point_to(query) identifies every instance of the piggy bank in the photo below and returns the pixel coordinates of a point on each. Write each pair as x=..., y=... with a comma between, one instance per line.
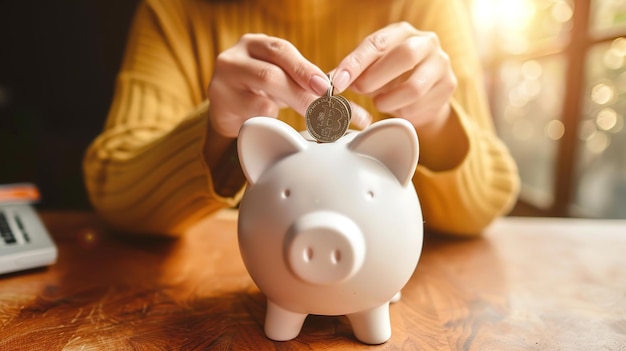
x=329, y=228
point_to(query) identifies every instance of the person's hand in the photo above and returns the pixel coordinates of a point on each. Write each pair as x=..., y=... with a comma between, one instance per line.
x=409, y=75
x=257, y=77
x=405, y=71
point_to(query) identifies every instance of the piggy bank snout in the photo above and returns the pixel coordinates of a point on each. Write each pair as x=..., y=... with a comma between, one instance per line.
x=324, y=247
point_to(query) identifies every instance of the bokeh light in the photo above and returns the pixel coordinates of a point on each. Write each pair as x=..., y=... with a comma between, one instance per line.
x=606, y=119
x=619, y=44
x=532, y=69
x=602, y=93
x=525, y=45
x=562, y=11
x=555, y=129
x=598, y=142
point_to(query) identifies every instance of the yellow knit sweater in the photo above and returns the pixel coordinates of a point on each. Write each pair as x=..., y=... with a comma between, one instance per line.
x=146, y=173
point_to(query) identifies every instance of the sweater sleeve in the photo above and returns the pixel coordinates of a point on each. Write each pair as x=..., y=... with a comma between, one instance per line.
x=146, y=172
x=464, y=200
x=485, y=185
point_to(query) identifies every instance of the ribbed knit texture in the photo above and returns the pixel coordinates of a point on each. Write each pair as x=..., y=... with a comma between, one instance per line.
x=146, y=172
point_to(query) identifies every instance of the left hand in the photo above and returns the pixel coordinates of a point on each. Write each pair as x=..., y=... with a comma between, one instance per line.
x=405, y=71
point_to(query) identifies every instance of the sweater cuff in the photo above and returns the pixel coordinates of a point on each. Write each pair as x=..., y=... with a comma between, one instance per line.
x=226, y=181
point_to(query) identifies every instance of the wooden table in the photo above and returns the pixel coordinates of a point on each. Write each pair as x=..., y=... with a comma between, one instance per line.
x=527, y=284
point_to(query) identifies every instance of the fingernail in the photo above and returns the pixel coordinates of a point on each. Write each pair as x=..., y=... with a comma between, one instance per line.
x=341, y=80
x=361, y=118
x=319, y=85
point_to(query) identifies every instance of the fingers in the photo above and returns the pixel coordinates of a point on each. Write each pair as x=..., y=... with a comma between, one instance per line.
x=271, y=81
x=284, y=55
x=361, y=118
x=422, y=97
x=428, y=110
x=259, y=75
x=401, y=59
x=375, y=46
x=280, y=71
x=405, y=71
x=413, y=88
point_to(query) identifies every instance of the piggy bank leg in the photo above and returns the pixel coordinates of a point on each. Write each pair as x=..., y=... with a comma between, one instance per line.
x=372, y=326
x=396, y=297
x=281, y=324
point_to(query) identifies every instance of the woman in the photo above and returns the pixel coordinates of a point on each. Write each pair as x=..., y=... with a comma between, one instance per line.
x=195, y=70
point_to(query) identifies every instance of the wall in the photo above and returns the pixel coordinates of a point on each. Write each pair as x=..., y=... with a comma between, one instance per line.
x=58, y=61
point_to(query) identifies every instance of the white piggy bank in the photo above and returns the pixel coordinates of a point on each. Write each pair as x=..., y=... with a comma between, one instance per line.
x=330, y=228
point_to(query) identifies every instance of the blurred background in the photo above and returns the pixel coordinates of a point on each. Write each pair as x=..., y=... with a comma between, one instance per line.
x=556, y=74
x=555, y=69
x=58, y=61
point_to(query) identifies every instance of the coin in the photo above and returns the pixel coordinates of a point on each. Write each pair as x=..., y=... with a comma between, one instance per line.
x=347, y=103
x=327, y=118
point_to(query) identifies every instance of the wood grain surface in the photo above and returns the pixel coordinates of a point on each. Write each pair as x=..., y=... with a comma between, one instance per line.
x=526, y=284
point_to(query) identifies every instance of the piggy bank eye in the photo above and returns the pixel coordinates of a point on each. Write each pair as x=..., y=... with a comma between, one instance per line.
x=370, y=194
x=286, y=193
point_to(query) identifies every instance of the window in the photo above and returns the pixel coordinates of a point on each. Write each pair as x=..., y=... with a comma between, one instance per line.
x=556, y=73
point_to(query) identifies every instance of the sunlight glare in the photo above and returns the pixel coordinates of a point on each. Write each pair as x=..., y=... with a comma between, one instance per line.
x=509, y=15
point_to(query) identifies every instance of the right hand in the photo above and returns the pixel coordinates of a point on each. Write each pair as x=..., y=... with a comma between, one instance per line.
x=257, y=77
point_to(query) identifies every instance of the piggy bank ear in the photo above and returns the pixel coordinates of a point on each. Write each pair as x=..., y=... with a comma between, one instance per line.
x=263, y=141
x=394, y=143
